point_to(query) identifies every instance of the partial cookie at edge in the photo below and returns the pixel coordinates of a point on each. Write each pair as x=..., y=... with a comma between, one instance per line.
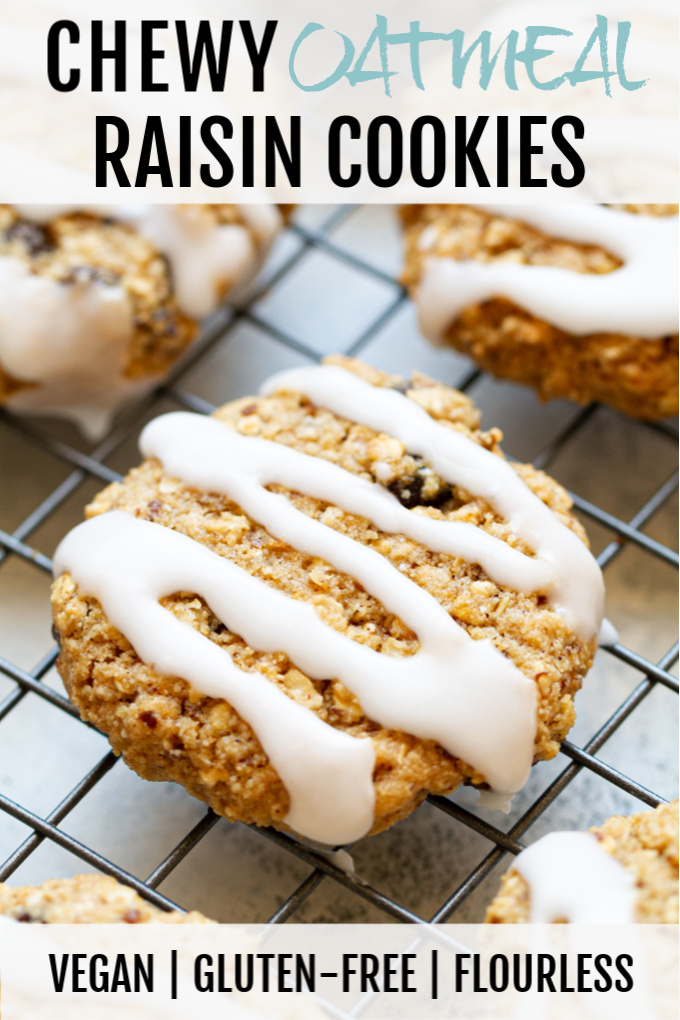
x=637, y=375
x=646, y=844
x=86, y=899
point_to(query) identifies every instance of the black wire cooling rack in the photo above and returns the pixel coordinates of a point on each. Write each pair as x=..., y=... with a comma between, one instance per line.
x=574, y=760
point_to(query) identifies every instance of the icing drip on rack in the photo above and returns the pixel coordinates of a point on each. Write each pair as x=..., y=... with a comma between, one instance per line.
x=571, y=878
x=638, y=299
x=68, y=341
x=460, y=692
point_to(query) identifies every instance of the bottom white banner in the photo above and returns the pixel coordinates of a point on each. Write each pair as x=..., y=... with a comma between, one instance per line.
x=308, y=971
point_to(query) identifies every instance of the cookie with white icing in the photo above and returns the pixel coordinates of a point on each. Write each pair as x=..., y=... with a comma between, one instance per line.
x=97, y=304
x=622, y=871
x=578, y=301
x=85, y=899
x=328, y=601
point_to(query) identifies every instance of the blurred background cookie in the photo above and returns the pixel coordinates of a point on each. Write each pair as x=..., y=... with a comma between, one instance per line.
x=96, y=305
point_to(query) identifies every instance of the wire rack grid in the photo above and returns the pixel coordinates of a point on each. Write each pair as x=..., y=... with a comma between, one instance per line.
x=369, y=315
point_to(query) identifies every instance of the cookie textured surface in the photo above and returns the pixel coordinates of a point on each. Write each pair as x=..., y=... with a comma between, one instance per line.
x=646, y=844
x=167, y=730
x=96, y=307
x=85, y=899
x=636, y=374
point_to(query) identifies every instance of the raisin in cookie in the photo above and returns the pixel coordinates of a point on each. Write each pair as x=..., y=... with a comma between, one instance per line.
x=326, y=602
x=625, y=870
x=577, y=301
x=95, y=306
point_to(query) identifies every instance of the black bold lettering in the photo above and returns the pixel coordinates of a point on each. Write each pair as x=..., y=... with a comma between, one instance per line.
x=153, y=137
x=58, y=974
x=390, y=972
x=334, y=152
x=527, y=150
x=203, y=979
x=396, y=151
x=545, y=968
x=204, y=46
x=602, y=963
x=461, y=970
x=77, y=972
x=476, y=967
x=243, y=984
x=149, y=54
x=185, y=151
x=216, y=150
x=466, y=152
x=623, y=965
x=502, y=152
x=99, y=979
x=522, y=984
x=569, y=151
x=290, y=158
x=53, y=68
x=265, y=957
x=144, y=973
x=258, y=57
x=347, y=971
x=564, y=961
x=407, y=972
x=284, y=972
x=370, y=968
x=248, y=152
x=104, y=156
x=305, y=975
x=438, y=151
x=582, y=972
x=117, y=54
x=499, y=984
x=120, y=977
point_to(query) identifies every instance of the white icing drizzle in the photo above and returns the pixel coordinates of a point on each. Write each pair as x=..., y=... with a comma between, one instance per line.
x=341, y=859
x=462, y=693
x=206, y=455
x=608, y=634
x=571, y=878
x=69, y=340
x=638, y=299
x=576, y=587
x=494, y=801
x=445, y=691
x=128, y=565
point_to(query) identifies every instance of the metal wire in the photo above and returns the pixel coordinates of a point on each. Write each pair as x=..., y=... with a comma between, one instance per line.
x=88, y=466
